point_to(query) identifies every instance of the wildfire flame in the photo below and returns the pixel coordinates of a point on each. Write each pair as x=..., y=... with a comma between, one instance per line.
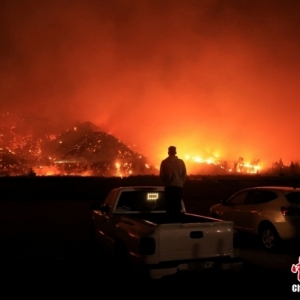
x=194, y=161
x=84, y=151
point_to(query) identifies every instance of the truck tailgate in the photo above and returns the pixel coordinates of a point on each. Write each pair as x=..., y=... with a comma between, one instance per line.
x=194, y=240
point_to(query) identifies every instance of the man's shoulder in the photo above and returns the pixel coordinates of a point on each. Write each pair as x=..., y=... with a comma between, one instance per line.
x=164, y=161
x=181, y=162
x=174, y=159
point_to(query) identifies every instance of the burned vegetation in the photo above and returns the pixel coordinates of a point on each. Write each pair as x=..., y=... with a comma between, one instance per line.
x=34, y=146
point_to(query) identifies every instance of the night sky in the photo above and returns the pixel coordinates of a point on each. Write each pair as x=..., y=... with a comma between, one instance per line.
x=215, y=78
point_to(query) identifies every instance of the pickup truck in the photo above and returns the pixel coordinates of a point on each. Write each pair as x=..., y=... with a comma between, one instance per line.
x=132, y=224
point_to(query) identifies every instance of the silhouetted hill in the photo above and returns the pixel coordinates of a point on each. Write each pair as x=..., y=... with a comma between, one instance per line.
x=32, y=144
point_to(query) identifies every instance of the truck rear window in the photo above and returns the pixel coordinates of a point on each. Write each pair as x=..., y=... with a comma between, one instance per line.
x=141, y=201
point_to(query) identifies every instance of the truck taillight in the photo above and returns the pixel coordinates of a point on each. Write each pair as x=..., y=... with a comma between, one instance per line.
x=290, y=211
x=147, y=246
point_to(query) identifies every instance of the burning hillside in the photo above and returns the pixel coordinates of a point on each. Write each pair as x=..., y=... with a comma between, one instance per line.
x=35, y=146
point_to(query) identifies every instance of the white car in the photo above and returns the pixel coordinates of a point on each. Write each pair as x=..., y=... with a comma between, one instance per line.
x=271, y=212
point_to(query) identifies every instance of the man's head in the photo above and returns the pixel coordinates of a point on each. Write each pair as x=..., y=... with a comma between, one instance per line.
x=172, y=150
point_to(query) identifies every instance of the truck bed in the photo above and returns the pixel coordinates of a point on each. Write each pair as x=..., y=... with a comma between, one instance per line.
x=163, y=218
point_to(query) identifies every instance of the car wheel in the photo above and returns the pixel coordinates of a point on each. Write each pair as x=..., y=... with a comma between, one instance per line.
x=269, y=237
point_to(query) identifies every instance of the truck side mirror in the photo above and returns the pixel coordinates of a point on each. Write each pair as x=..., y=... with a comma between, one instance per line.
x=104, y=208
x=224, y=202
x=95, y=206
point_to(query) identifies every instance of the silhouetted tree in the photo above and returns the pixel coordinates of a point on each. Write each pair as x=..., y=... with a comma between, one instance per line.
x=240, y=164
x=294, y=168
x=278, y=166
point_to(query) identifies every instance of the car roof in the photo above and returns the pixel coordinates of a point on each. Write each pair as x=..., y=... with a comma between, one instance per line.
x=140, y=188
x=276, y=188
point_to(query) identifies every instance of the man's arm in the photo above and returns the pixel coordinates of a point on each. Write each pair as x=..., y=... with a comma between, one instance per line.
x=184, y=175
x=161, y=172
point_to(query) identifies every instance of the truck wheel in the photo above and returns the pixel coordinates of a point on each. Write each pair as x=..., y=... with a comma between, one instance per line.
x=269, y=237
x=92, y=234
x=121, y=256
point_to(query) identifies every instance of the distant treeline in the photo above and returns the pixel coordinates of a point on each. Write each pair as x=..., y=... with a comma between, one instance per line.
x=279, y=168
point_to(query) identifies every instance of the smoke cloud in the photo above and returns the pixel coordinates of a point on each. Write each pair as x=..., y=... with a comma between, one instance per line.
x=214, y=78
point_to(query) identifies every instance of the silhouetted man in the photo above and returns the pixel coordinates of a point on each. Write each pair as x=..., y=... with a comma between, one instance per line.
x=173, y=176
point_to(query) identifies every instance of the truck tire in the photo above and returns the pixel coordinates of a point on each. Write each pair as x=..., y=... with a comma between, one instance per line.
x=121, y=256
x=92, y=234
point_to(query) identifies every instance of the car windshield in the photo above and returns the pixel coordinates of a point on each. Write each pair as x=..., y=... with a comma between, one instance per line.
x=293, y=197
x=141, y=201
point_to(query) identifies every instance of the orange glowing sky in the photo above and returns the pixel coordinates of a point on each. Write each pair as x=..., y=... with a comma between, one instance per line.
x=212, y=77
